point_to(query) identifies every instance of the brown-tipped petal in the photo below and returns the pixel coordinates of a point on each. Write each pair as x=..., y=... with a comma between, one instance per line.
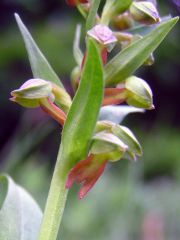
x=90, y=181
x=74, y=172
x=86, y=172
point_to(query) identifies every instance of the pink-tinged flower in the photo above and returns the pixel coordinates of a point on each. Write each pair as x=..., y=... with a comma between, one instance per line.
x=40, y=93
x=103, y=35
x=86, y=172
x=75, y=2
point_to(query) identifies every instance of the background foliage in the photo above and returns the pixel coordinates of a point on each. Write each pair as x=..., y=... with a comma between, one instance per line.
x=128, y=195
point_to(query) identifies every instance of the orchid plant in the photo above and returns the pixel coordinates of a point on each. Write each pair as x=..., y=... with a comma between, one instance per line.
x=92, y=134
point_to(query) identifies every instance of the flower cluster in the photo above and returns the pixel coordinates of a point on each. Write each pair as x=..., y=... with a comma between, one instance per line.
x=111, y=141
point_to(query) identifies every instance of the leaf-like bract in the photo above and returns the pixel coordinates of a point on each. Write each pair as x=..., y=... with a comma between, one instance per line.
x=131, y=58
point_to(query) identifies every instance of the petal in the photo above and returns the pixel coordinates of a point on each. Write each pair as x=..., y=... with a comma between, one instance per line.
x=89, y=182
x=76, y=170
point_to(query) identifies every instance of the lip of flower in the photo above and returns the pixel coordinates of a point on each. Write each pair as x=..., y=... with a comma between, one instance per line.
x=73, y=3
x=86, y=172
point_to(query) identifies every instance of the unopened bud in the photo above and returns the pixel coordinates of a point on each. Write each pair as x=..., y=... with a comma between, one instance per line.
x=144, y=12
x=29, y=94
x=40, y=93
x=139, y=93
x=34, y=90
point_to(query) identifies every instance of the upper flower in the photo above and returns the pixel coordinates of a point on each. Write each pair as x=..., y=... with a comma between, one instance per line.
x=103, y=35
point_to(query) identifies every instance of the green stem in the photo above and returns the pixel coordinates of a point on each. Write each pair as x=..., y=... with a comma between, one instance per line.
x=55, y=203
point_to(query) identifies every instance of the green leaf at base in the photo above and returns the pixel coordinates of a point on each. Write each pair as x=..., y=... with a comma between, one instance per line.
x=20, y=216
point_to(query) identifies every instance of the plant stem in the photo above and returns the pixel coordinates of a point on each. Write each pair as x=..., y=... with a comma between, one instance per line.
x=55, y=202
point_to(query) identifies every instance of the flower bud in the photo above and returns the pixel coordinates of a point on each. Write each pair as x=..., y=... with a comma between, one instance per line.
x=40, y=93
x=138, y=93
x=122, y=21
x=103, y=35
x=124, y=134
x=30, y=93
x=144, y=12
x=34, y=90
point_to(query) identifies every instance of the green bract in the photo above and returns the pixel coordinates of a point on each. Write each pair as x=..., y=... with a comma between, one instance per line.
x=131, y=58
x=84, y=109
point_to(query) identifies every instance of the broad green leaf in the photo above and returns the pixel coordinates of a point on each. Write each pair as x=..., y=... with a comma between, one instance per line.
x=132, y=57
x=116, y=114
x=83, y=114
x=20, y=216
x=91, y=19
x=39, y=64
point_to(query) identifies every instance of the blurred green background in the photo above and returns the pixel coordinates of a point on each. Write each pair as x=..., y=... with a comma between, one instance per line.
x=131, y=200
